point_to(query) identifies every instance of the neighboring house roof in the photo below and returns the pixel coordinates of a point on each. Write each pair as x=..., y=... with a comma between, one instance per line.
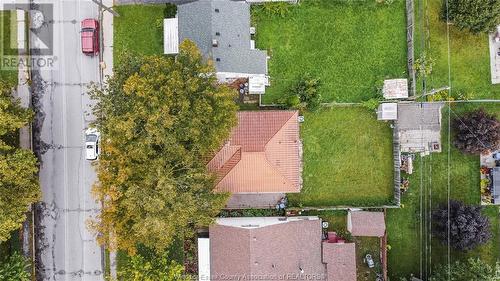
x=363, y=223
x=267, y=250
x=341, y=261
x=419, y=126
x=227, y=22
x=263, y=154
x=272, y=247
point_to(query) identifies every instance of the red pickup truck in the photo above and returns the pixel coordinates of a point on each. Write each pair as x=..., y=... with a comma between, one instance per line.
x=90, y=37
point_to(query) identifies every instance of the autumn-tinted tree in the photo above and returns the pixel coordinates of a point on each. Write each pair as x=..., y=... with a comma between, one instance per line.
x=18, y=167
x=14, y=268
x=469, y=270
x=160, y=119
x=464, y=225
x=477, y=132
x=474, y=15
x=152, y=268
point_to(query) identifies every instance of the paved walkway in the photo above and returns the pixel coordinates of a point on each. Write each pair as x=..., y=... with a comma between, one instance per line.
x=494, y=58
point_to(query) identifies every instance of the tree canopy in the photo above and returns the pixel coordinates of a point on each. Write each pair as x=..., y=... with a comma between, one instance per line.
x=160, y=119
x=18, y=167
x=469, y=270
x=474, y=15
x=464, y=225
x=477, y=132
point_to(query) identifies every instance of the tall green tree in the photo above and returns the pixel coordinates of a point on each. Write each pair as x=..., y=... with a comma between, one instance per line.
x=160, y=118
x=470, y=270
x=18, y=167
x=474, y=15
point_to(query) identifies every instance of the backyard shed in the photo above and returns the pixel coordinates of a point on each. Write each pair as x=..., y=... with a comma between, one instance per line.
x=387, y=111
x=395, y=89
x=171, y=36
x=363, y=223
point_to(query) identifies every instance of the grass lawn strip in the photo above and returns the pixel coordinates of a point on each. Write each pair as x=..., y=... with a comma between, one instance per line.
x=347, y=159
x=9, y=28
x=351, y=45
x=138, y=29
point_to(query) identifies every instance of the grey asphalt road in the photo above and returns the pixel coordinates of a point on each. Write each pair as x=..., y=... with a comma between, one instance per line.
x=66, y=250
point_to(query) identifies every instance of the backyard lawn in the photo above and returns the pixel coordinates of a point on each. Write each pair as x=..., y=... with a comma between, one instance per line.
x=8, y=25
x=138, y=29
x=347, y=159
x=430, y=182
x=351, y=45
x=469, y=54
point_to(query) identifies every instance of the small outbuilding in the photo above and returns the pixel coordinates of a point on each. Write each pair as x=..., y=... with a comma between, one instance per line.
x=363, y=223
x=395, y=89
x=387, y=111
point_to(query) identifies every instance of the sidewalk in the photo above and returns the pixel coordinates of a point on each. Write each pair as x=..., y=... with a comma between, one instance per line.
x=107, y=71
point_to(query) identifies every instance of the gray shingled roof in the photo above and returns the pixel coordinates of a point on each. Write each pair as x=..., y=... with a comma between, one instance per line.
x=230, y=26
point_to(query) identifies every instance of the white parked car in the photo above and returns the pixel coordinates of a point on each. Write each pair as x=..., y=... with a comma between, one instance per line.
x=92, y=138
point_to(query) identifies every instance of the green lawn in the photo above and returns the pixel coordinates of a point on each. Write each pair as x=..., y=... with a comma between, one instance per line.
x=430, y=180
x=469, y=54
x=347, y=159
x=138, y=29
x=351, y=45
x=367, y=245
x=8, y=25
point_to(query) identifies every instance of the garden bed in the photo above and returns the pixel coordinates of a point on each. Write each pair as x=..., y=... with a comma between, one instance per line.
x=347, y=159
x=352, y=46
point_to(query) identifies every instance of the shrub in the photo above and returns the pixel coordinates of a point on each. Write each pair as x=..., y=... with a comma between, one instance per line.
x=307, y=91
x=170, y=10
x=476, y=132
x=463, y=225
x=280, y=9
x=474, y=15
x=424, y=65
x=14, y=268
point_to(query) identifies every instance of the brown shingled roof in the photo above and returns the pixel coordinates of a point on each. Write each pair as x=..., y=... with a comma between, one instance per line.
x=340, y=259
x=261, y=155
x=362, y=223
x=267, y=252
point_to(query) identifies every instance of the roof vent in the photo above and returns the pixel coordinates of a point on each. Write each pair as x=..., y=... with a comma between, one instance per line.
x=215, y=43
x=216, y=10
x=217, y=59
x=217, y=33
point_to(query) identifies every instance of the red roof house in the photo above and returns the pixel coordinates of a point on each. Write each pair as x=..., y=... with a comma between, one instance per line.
x=262, y=155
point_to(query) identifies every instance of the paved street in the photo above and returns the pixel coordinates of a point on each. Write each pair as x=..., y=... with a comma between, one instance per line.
x=66, y=249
